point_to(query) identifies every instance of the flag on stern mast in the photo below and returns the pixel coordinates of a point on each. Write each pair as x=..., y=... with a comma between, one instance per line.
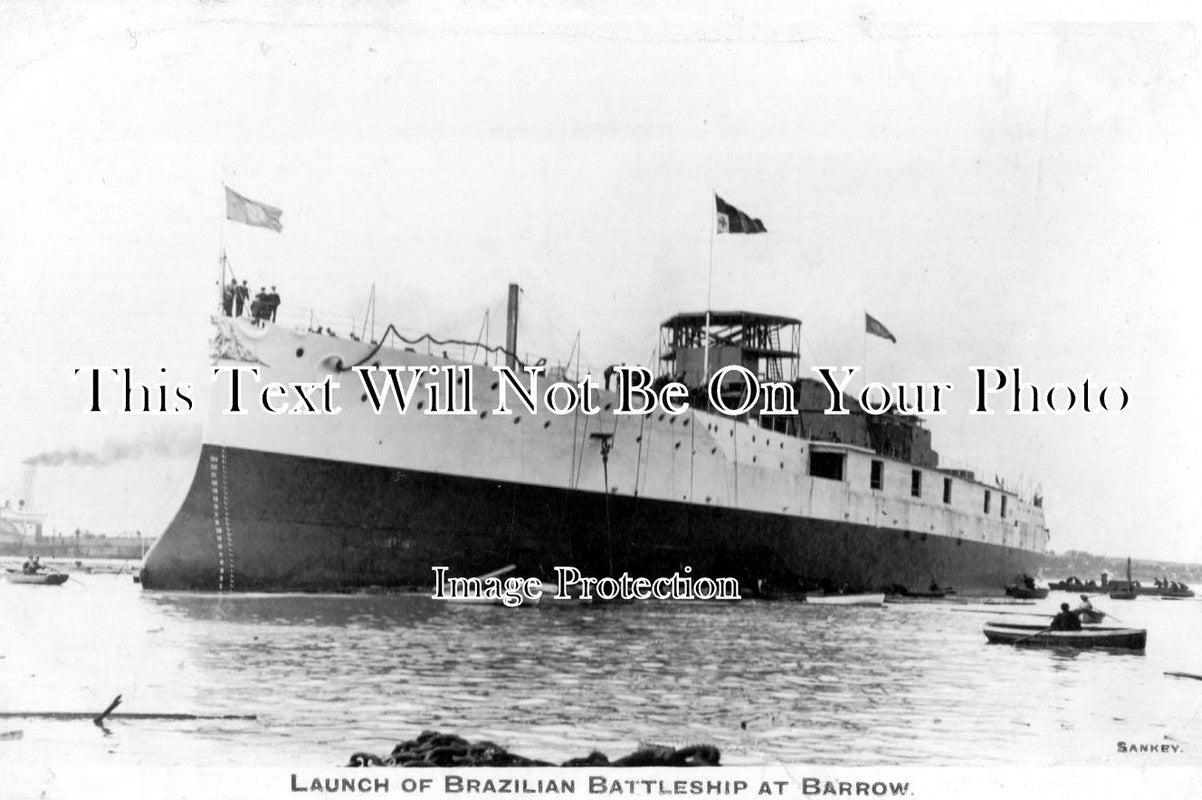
x=249, y=212
x=732, y=220
x=877, y=329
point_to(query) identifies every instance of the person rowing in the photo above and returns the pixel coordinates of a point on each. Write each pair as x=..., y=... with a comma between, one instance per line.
x=1066, y=620
x=1087, y=613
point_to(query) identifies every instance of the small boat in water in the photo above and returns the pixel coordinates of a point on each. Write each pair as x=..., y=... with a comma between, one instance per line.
x=1128, y=590
x=37, y=578
x=846, y=599
x=1073, y=584
x=1093, y=636
x=1026, y=592
x=933, y=592
x=1023, y=588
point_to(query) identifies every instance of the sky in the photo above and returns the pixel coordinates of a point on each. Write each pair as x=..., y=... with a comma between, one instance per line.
x=998, y=186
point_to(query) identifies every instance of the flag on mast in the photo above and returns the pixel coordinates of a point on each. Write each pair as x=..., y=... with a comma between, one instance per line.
x=249, y=212
x=732, y=220
x=877, y=329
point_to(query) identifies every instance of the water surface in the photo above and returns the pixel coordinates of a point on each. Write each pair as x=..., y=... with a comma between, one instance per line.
x=329, y=675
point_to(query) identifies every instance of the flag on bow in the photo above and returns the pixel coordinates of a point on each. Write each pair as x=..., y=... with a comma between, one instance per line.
x=240, y=209
x=877, y=329
x=732, y=220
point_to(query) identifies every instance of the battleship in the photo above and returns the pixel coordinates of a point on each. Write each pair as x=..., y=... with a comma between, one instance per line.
x=295, y=502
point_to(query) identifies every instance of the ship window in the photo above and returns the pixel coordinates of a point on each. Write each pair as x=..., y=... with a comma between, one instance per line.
x=877, y=479
x=1003, y=509
x=947, y=490
x=988, y=497
x=826, y=465
x=916, y=483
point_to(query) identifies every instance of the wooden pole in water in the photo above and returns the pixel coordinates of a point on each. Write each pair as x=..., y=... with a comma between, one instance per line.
x=100, y=719
x=72, y=715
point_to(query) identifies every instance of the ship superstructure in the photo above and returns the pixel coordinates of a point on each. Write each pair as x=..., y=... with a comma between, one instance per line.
x=21, y=523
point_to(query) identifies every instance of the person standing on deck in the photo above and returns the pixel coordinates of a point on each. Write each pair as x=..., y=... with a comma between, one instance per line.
x=258, y=306
x=273, y=302
x=227, y=298
x=241, y=298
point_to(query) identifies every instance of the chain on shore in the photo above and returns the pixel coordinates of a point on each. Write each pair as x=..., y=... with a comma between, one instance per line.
x=434, y=749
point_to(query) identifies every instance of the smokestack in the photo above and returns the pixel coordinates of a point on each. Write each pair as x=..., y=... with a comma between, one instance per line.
x=511, y=328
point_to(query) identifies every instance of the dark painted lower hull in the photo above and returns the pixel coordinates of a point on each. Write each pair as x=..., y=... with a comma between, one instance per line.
x=255, y=521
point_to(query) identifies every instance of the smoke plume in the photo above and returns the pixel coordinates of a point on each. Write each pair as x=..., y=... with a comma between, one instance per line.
x=163, y=444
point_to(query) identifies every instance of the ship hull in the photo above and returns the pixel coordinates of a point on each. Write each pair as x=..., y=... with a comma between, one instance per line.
x=263, y=521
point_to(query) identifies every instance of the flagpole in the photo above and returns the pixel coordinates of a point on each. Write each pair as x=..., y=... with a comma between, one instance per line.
x=709, y=295
x=864, y=359
x=221, y=237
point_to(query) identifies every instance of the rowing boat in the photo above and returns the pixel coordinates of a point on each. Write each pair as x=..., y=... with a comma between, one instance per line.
x=846, y=599
x=1093, y=636
x=38, y=578
x=1026, y=592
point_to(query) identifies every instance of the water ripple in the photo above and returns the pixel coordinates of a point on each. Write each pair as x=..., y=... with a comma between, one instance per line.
x=328, y=675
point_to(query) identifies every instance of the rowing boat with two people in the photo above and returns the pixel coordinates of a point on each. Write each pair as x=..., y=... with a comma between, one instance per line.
x=37, y=578
x=1087, y=638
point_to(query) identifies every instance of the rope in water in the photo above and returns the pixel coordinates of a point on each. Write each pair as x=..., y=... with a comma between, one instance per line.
x=434, y=749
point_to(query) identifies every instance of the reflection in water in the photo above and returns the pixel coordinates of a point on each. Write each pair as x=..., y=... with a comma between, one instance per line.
x=328, y=675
